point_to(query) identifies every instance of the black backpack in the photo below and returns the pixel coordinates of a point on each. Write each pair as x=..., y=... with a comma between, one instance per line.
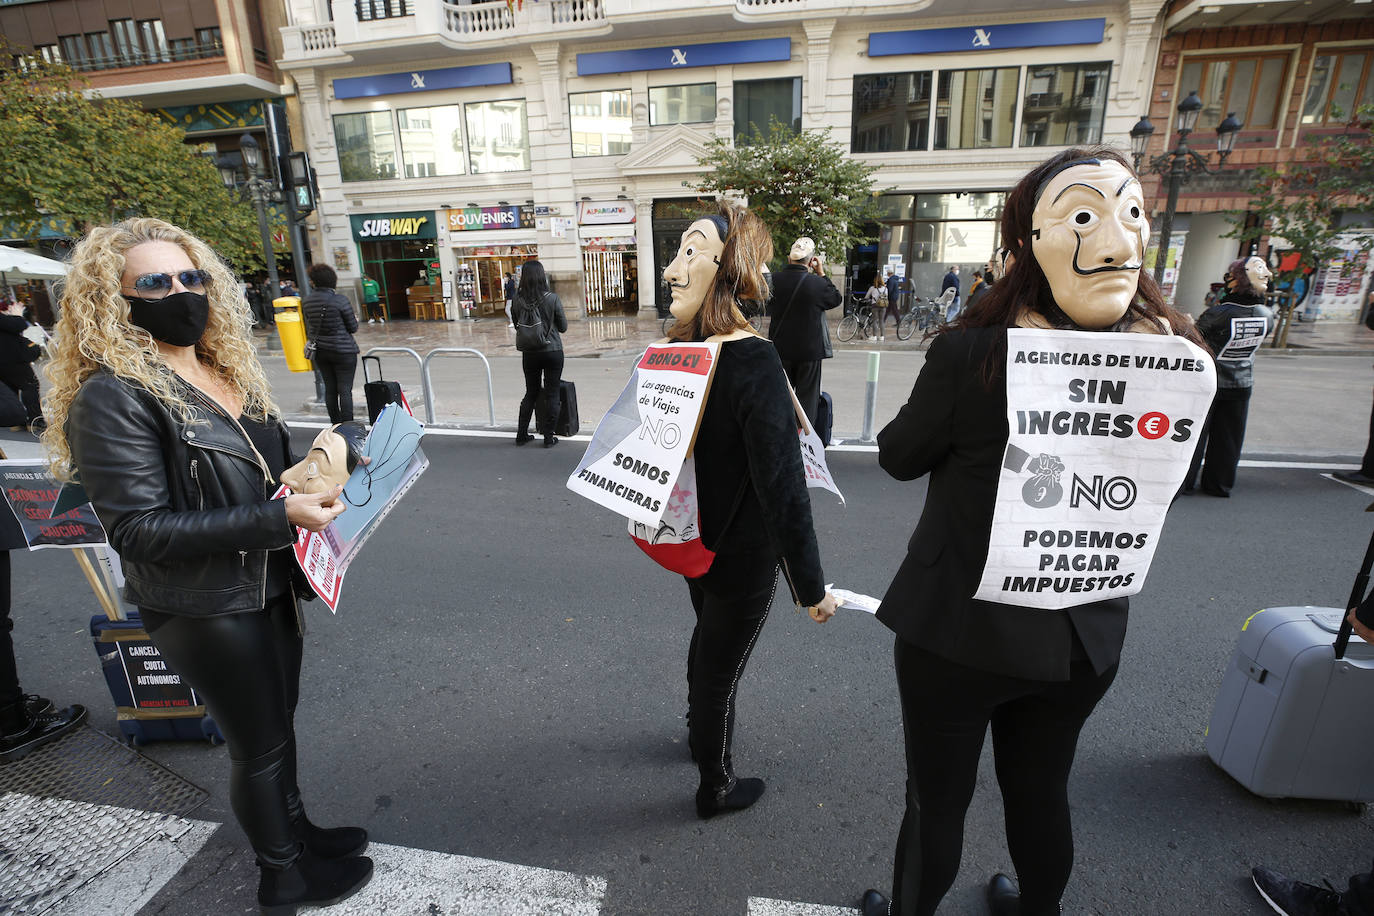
x=531, y=330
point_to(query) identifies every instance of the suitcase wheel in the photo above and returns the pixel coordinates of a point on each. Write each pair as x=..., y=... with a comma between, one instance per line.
x=136, y=741
x=215, y=738
x=1356, y=808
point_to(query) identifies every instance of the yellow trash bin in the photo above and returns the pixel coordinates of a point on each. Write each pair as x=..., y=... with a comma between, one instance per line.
x=291, y=330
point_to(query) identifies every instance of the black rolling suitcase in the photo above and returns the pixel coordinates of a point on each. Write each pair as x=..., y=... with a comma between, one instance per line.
x=567, y=424
x=151, y=702
x=379, y=393
x=825, y=417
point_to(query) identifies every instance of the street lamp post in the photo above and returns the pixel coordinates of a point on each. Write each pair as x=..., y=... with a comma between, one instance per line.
x=260, y=191
x=1179, y=164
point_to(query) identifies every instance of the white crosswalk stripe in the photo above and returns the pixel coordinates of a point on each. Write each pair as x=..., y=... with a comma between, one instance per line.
x=762, y=906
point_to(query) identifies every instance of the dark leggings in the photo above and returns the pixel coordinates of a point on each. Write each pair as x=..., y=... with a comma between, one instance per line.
x=337, y=370
x=731, y=603
x=247, y=668
x=548, y=366
x=1219, y=443
x=946, y=710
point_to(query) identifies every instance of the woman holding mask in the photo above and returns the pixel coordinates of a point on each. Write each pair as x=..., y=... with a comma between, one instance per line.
x=751, y=488
x=160, y=409
x=1076, y=230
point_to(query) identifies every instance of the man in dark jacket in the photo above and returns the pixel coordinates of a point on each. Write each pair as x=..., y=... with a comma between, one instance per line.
x=17, y=353
x=801, y=296
x=951, y=281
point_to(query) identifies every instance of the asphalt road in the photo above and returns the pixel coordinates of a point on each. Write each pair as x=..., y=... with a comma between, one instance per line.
x=505, y=679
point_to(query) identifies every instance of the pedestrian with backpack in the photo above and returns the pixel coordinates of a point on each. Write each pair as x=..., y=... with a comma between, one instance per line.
x=539, y=321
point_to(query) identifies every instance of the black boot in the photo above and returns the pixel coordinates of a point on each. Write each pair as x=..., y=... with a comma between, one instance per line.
x=311, y=881
x=38, y=730
x=736, y=796
x=1003, y=897
x=874, y=904
x=329, y=842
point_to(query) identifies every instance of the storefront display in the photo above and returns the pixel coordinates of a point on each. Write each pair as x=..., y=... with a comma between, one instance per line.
x=396, y=250
x=481, y=275
x=610, y=263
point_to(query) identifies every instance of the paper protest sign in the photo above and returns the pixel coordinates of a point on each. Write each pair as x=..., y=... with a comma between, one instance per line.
x=369, y=495
x=1102, y=428
x=638, y=448
x=1246, y=336
x=813, y=455
x=31, y=493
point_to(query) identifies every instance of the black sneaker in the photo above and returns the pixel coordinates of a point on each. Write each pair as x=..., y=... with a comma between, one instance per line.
x=1357, y=477
x=43, y=728
x=35, y=705
x=1294, y=898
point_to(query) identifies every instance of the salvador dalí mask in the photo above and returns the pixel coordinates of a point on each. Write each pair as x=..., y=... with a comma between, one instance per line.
x=331, y=459
x=1088, y=233
x=693, y=271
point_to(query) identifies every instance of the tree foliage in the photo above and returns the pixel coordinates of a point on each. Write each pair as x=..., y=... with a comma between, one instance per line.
x=1302, y=202
x=91, y=161
x=799, y=184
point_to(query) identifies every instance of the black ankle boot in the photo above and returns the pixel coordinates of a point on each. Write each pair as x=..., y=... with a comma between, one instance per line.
x=329, y=842
x=874, y=904
x=738, y=796
x=311, y=881
x=1003, y=897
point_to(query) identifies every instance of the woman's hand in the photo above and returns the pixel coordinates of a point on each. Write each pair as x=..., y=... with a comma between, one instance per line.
x=825, y=610
x=315, y=511
x=1361, y=630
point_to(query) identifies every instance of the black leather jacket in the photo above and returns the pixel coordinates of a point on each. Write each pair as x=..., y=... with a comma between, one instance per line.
x=185, y=505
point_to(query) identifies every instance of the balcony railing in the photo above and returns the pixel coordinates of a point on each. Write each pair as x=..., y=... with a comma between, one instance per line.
x=571, y=12
x=177, y=50
x=479, y=19
x=318, y=38
x=494, y=19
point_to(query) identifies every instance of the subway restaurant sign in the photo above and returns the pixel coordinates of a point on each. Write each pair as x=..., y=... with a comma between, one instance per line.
x=393, y=226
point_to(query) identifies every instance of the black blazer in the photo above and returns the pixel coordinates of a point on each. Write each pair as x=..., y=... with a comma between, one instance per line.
x=954, y=427
x=799, y=330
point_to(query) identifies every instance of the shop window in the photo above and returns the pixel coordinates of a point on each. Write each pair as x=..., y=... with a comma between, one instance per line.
x=498, y=140
x=758, y=102
x=431, y=141
x=600, y=122
x=891, y=112
x=1341, y=82
x=964, y=98
x=1064, y=104
x=682, y=104
x=366, y=144
x=1249, y=86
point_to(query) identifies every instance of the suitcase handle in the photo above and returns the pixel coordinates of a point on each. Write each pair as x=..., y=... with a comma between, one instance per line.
x=378, y=361
x=1361, y=583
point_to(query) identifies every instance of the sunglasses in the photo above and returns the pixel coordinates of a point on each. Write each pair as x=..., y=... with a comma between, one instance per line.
x=157, y=286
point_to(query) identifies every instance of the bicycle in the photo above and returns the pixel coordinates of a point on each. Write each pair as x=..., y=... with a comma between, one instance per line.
x=861, y=319
x=926, y=315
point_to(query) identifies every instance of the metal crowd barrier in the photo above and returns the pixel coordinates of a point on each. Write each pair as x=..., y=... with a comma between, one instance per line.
x=428, y=384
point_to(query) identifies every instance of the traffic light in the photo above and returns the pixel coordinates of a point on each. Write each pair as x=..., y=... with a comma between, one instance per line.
x=302, y=178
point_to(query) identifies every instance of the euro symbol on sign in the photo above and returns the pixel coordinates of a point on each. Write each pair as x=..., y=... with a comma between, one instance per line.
x=679, y=58
x=417, y=81
x=982, y=38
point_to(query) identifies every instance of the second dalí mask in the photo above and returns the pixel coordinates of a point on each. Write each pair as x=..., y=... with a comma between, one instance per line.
x=331, y=459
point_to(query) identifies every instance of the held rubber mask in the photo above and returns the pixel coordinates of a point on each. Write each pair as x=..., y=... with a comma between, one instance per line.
x=1088, y=233
x=331, y=459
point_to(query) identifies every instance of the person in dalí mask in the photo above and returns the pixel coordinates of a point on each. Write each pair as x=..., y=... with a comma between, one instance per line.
x=160, y=408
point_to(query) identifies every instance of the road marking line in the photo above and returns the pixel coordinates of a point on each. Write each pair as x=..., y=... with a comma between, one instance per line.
x=763, y=906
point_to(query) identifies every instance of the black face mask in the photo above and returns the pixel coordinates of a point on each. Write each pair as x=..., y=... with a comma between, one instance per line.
x=179, y=319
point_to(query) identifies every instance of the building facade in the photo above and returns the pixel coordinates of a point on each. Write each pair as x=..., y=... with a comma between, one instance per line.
x=461, y=138
x=1293, y=73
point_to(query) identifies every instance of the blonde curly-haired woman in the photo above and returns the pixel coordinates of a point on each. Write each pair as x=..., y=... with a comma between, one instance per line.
x=160, y=408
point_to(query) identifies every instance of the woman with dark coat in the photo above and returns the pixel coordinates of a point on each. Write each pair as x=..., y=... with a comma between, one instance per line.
x=160, y=409
x=964, y=664
x=539, y=322
x=751, y=489
x=330, y=322
x=17, y=354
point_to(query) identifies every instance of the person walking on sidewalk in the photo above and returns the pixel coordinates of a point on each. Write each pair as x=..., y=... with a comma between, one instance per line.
x=510, y=290
x=330, y=322
x=802, y=294
x=372, y=300
x=539, y=324
x=951, y=281
x=160, y=408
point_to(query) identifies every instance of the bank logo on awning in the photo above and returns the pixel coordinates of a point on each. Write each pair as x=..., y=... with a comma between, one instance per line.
x=982, y=38
x=679, y=58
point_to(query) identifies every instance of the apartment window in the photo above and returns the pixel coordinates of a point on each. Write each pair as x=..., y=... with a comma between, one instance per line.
x=682, y=104
x=1341, y=82
x=431, y=141
x=209, y=41
x=74, y=51
x=382, y=9
x=100, y=51
x=1064, y=104
x=600, y=122
x=366, y=144
x=891, y=112
x=126, y=41
x=757, y=102
x=498, y=140
x=1249, y=86
x=49, y=53
x=154, y=40
x=965, y=98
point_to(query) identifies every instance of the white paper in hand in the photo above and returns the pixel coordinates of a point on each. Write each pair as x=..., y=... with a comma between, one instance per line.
x=855, y=600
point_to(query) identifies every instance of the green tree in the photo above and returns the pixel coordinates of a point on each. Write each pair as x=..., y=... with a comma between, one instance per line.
x=1302, y=202
x=91, y=161
x=799, y=184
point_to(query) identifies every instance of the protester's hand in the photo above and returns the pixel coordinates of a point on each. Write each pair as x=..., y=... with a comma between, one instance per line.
x=825, y=610
x=1361, y=630
x=314, y=512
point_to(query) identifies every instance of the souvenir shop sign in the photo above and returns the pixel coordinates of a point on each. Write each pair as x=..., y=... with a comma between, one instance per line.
x=394, y=226
x=472, y=218
x=605, y=212
x=1102, y=428
x=31, y=493
x=638, y=448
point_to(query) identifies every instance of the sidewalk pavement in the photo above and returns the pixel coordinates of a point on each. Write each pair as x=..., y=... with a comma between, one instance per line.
x=1304, y=404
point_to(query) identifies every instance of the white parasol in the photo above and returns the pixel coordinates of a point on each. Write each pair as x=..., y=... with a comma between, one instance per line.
x=25, y=265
